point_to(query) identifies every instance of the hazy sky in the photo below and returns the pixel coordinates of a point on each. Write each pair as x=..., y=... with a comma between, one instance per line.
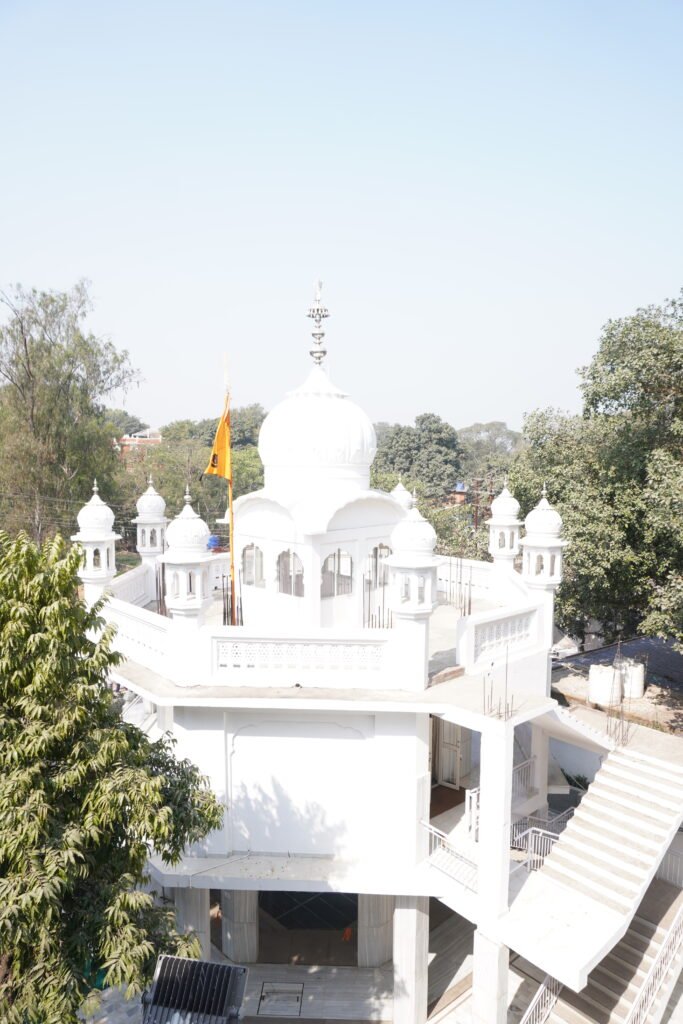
x=479, y=185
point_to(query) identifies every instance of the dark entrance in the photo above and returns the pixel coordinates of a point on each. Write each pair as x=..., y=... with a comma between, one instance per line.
x=308, y=928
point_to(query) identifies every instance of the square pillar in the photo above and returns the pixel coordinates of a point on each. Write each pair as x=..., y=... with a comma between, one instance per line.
x=411, y=954
x=489, y=981
x=540, y=750
x=495, y=813
x=192, y=914
x=239, y=909
x=375, y=929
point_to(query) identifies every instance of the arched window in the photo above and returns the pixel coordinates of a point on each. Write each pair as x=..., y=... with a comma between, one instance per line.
x=161, y=537
x=337, y=574
x=143, y=538
x=96, y=559
x=290, y=574
x=405, y=588
x=378, y=566
x=512, y=539
x=539, y=564
x=108, y=558
x=152, y=538
x=252, y=566
x=552, y=565
x=421, y=587
x=501, y=539
x=190, y=583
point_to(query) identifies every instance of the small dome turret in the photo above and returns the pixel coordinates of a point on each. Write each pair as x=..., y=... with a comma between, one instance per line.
x=505, y=505
x=187, y=534
x=95, y=519
x=543, y=521
x=151, y=505
x=504, y=527
x=413, y=540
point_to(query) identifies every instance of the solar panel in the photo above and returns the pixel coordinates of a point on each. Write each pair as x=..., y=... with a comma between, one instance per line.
x=194, y=992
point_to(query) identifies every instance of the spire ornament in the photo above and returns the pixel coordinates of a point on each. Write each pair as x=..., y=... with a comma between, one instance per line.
x=317, y=314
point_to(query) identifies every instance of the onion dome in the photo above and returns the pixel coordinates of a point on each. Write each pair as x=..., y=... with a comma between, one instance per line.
x=150, y=505
x=96, y=519
x=187, y=534
x=402, y=495
x=412, y=540
x=505, y=506
x=543, y=522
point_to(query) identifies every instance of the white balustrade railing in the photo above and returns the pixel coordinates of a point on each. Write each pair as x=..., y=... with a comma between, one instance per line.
x=536, y=844
x=132, y=586
x=523, y=779
x=671, y=869
x=472, y=807
x=141, y=635
x=445, y=856
x=353, y=662
x=555, y=824
x=484, y=637
x=541, y=1005
x=668, y=951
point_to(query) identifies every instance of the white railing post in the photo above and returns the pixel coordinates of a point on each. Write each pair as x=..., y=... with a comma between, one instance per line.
x=541, y=1005
x=448, y=859
x=523, y=779
x=668, y=951
x=472, y=802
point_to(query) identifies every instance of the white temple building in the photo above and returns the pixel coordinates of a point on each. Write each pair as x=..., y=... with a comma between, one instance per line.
x=380, y=732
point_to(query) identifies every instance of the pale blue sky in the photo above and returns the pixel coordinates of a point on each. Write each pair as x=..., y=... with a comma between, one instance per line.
x=479, y=185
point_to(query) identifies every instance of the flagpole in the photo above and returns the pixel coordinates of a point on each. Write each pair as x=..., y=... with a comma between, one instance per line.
x=231, y=521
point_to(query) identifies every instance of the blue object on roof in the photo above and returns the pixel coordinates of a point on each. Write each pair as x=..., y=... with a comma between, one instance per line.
x=213, y=542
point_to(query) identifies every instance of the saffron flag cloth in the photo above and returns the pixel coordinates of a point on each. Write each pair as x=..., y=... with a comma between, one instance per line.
x=220, y=463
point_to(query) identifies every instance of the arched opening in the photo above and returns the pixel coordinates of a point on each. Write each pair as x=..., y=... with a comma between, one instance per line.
x=501, y=539
x=143, y=538
x=108, y=558
x=512, y=539
x=552, y=565
x=337, y=574
x=378, y=566
x=152, y=538
x=290, y=574
x=421, y=588
x=539, y=564
x=252, y=566
x=161, y=537
x=405, y=588
x=190, y=583
x=96, y=559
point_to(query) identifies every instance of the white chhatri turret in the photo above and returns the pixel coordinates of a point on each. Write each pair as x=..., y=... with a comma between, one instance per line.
x=187, y=587
x=412, y=588
x=151, y=522
x=504, y=527
x=402, y=495
x=542, y=560
x=98, y=540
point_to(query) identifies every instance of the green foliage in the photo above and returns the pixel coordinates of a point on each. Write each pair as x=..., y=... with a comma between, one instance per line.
x=616, y=476
x=487, y=450
x=120, y=422
x=84, y=799
x=427, y=454
x=54, y=435
x=455, y=531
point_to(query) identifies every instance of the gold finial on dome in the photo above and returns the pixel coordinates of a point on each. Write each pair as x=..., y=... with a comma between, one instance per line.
x=318, y=313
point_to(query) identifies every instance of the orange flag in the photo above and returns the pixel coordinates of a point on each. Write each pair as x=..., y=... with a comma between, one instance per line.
x=220, y=463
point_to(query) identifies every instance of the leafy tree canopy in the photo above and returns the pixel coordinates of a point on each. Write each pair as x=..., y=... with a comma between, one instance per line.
x=84, y=799
x=616, y=475
x=121, y=422
x=487, y=450
x=428, y=454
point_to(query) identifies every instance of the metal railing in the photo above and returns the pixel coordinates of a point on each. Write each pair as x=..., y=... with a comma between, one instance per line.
x=540, y=1007
x=536, y=844
x=671, y=869
x=555, y=824
x=472, y=805
x=523, y=779
x=669, y=949
x=444, y=855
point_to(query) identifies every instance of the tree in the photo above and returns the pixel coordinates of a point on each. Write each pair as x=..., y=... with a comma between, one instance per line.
x=121, y=422
x=54, y=436
x=487, y=450
x=84, y=799
x=455, y=532
x=616, y=475
x=427, y=454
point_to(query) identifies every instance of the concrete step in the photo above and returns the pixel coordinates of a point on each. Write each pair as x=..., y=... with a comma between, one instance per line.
x=563, y=1013
x=610, y=859
x=648, y=767
x=585, y=869
x=648, y=929
x=581, y=1001
x=590, y=832
x=621, y=968
x=618, y=776
x=628, y=832
x=614, y=983
x=644, y=804
x=658, y=826
x=601, y=896
x=617, y=1005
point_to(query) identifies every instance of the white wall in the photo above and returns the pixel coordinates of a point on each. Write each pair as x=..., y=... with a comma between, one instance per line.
x=575, y=760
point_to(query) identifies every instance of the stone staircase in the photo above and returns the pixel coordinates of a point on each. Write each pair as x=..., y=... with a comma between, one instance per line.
x=618, y=835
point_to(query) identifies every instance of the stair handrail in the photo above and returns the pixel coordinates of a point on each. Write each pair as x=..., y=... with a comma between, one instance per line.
x=467, y=869
x=540, y=1007
x=655, y=976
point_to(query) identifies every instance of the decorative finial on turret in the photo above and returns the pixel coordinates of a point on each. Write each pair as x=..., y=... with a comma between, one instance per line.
x=544, y=492
x=95, y=488
x=150, y=482
x=318, y=313
x=188, y=496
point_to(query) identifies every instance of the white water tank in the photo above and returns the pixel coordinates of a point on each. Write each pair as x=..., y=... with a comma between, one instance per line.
x=604, y=685
x=634, y=679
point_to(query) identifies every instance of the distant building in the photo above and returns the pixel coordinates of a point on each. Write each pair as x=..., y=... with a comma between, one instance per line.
x=142, y=439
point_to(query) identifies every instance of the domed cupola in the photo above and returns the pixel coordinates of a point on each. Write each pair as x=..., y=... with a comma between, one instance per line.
x=98, y=540
x=317, y=436
x=504, y=527
x=542, y=567
x=188, y=582
x=151, y=524
x=543, y=521
x=413, y=539
x=412, y=566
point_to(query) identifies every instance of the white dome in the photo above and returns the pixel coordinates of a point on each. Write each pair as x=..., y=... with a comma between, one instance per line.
x=543, y=521
x=505, y=506
x=317, y=433
x=402, y=495
x=151, y=505
x=187, y=534
x=413, y=539
x=96, y=519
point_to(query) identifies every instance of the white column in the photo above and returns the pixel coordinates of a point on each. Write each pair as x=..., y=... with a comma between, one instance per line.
x=490, y=969
x=239, y=908
x=411, y=952
x=192, y=914
x=490, y=981
x=375, y=929
x=539, y=750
